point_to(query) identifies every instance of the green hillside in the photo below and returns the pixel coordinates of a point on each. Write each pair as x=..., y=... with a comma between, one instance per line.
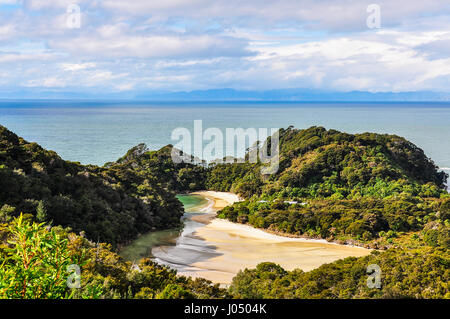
x=376, y=190
x=110, y=205
x=316, y=162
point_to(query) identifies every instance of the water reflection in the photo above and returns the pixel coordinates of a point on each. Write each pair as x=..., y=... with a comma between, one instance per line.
x=154, y=244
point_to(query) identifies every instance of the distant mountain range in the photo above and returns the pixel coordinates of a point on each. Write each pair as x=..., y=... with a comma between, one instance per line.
x=296, y=95
x=301, y=95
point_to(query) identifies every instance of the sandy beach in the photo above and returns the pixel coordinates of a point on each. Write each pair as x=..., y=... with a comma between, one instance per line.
x=216, y=201
x=220, y=199
x=219, y=249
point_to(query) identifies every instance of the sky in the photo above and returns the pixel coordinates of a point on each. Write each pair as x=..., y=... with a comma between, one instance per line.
x=184, y=45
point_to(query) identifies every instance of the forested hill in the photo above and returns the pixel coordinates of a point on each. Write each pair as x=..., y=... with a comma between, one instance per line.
x=378, y=190
x=316, y=162
x=180, y=177
x=363, y=188
x=136, y=194
x=109, y=204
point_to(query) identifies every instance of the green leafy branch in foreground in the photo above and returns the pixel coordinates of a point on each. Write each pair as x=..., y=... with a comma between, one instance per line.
x=375, y=189
x=35, y=264
x=34, y=260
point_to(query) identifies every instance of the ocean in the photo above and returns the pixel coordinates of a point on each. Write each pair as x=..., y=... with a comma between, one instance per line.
x=100, y=132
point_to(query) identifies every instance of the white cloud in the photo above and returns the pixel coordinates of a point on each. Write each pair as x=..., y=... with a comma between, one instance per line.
x=51, y=82
x=77, y=66
x=330, y=14
x=7, y=32
x=44, y=4
x=9, y=2
x=113, y=44
x=252, y=44
x=8, y=57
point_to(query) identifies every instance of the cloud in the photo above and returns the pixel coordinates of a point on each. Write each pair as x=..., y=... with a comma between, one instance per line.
x=56, y=4
x=203, y=44
x=7, y=32
x=110, y=44
x=2, y=2
x=51, y=82
x=332, y=15
x=8, y=57
x=77, y=66
x=436, y=49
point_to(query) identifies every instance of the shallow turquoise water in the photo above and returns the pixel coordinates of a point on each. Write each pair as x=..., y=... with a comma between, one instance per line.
x=142, y=246
x=191, y=203
x=99, y=132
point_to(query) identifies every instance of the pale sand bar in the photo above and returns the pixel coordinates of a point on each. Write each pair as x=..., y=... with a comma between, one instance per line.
x=220, y=199
x=237, y=246
x=216, y=201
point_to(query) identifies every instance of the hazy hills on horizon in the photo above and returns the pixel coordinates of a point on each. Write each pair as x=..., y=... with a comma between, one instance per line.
x=287, y=95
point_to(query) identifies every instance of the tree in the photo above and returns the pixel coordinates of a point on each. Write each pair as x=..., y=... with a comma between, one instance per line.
x=36, y=264
x=174, y=291
x=41, y=212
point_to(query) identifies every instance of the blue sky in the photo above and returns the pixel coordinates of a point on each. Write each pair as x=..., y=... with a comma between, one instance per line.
x=184, y=45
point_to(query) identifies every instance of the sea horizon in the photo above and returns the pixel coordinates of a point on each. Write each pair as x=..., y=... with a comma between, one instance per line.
x=74, y=128
x=214, y=151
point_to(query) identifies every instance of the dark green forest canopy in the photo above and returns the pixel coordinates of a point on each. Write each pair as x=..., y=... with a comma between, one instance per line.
x=316, y=162
x=111, y=205
x=372, y=222
x=338, y=186
x=358, y=187
x=136, y=193
x=104, y=273
x=405, y=273
x=417, y=266
x=178, y=177
x=372, y=188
